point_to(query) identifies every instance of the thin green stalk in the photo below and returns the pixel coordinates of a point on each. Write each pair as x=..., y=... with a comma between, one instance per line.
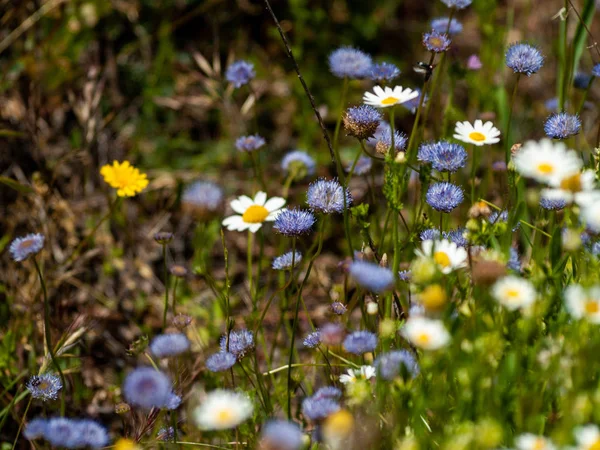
x=49, y=335
x=249, y=265
x=413, y=133
x=258, y=170
x=174, y=296
x=295, y=323
x=166, y=278
x=22, y=421
x=510, y=113
x=473, y=171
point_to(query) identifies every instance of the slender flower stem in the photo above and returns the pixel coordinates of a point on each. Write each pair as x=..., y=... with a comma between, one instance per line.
x=510, y=113
x=473, y=171
x=249, y=264
x=258, y=170
x=295, y=324
x=48, y=335
x=166, y=278
x=174, y=296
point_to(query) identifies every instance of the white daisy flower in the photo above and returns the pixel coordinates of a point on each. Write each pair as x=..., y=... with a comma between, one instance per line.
x=252, y=213
x=590, y=212
x=428, y=334
x=587, y=437
x=478, y=134
x=514, y=292
x=547, y=161
x=530, y=441
x=578, y=188
x=385, y=97
x=583, y=303
x=447, y=255
x=364, y=373
x=222, y=409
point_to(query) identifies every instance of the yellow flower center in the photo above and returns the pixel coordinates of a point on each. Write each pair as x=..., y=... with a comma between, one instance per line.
x=433, y=297
x=595, y=445
x=423, y=339
x=572, y=183
x=591, y=307
x=436, y=42
x=126, y=444
x=255, y=214
x=224, y=417
x=512, y=294
x=477, y=136
x=389, y=101
x=539, y=444
x=339, y=423
x=442, y=259
x=545, y=168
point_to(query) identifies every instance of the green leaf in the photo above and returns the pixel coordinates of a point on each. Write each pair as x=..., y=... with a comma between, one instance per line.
x=581, y=33
x=14, y=184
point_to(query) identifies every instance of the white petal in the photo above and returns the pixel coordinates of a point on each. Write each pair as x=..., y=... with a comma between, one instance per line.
x=255, y=227
x=260, y=198
x=245, y=201
x=232, y=220
x=237, y=206
x=274, y=203
x=379, y=91
x=478, y=124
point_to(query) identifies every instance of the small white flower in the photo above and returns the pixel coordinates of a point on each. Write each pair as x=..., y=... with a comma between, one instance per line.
x=222, y=409
x=530, y=441
x=251, y=214
x=547, y=161
x=385, y=97
x=478, y=134
x=428, y=334
x=364, y=373
x=587, y=437
x=514, y=292
x=590, y=214
x=447, y=255
x=583, y=303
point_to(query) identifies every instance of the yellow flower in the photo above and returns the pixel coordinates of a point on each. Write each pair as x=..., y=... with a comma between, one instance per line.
x=126, y=444
x=125, y=178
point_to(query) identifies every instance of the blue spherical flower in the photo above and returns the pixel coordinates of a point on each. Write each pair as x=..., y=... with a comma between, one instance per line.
x=360, y=342
x=240, y=343
x=35, y=429
x=361, y=121
x=443, y=156
x=147, y=388
x=299, y=162
x=44, y=387
x=171, y=344
x=362, y=167
x=166, y=434
x=240, y=73
x=220, y=362
x=63, y=432
x=205, y=195
x=441, y=25
x=93, y=434
x=396, y=363
x=596, y=70
x=382, y=139
x=285, y=261
x=581, y=80
x=405, y=275
x=524, y=58
x=281, y=434
x=318, y=408
x=173, y=401
x=498, y=216
x=349, y=62
x=328, y=392
x=552, y=204
x=514, y=263
x=294, y=222
x=371, y=276
x=436, y=42
x=458, y=4
x=430, y=234
x=312, y=340
x=444, y=197
x=249, y=143
x=384, y=72
x=562, y=125
x=327, y=196
x=457, y=236
x=23, y=247
x=338, y=308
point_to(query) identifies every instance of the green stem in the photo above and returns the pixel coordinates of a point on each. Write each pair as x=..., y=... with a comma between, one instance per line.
x=336, y=150
x=166, y=278
x=249, y=264
x=48, y=335
x=258, y=171
x=295, y=323
x=473, y=172
x=509, y=120
x=413, y=133
x=174, y=296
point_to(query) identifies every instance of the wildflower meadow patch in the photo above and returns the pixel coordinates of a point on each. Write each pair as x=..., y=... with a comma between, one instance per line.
x=300, y=225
